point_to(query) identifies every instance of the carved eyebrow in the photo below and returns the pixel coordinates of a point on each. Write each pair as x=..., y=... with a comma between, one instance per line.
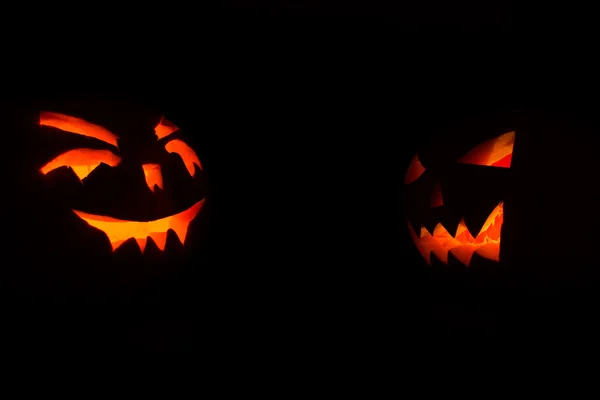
x=164, y=128
x=186, y=153
x=77, y=126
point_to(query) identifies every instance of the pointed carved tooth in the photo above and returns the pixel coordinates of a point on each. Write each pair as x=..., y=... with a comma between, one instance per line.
x=461, y=227
x=180, y=222
x=463, y=234
x=142, y=244
x=427, y=245
x=116, y=245
x=440, y=231
x=82, y=171
x=441, y=253
x=160, y=239
x=181, y=231
x=463, y=253
x=439, y=243
x=419, y=243
x=424, y=232
x=445, y=242
x=491, y=219
x=493, y=224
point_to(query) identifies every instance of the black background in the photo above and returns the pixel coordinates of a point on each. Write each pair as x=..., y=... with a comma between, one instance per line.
x=306, y=116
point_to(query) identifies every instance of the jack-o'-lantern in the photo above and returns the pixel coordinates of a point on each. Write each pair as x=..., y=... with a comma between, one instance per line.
x=507, y=202
x=111, y=192
x=455, y=192
x=82, y=162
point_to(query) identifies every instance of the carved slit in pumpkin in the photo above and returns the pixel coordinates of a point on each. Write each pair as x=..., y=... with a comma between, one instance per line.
x=492, y=153
x=78, y=126
x=153, y=175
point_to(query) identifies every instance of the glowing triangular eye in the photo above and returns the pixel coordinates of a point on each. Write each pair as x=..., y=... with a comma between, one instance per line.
x=492, y=153
x=415, y=170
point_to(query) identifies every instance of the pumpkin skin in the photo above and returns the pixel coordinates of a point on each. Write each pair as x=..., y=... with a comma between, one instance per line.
x=111, y=197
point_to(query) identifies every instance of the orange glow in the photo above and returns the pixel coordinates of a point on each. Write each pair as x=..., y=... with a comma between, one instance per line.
x=463, y=244
x=165, y=128
x=415, y=170
x=77, y=126
x=188, y=155
x=119, y=231
x=492, y=153
x=436, y=197
x=153, y=175
x=82, y=161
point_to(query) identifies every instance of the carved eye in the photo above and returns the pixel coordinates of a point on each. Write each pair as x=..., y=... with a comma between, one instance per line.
x=492, y=153
x=415, y=170
x=189, y=156
x=186, y=153
x=81, y=161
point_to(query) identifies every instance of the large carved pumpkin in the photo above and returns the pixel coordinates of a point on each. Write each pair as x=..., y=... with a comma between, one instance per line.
x=455, y=192
x=511, y=192
x=111, y=195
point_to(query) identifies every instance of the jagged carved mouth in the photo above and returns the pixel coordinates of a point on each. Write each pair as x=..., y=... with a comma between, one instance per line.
x=463, y=244
x=120, y=231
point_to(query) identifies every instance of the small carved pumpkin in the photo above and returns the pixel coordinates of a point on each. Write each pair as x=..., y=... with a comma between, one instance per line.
x=115, y=190
x=83, y=161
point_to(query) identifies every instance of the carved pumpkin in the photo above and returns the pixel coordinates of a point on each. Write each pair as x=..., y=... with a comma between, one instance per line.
x=82, y=162
x=114, y=189
x=514, y=196
x=455, y=190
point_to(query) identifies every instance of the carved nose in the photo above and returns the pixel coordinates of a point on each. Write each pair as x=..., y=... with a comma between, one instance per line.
x=153, y=175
